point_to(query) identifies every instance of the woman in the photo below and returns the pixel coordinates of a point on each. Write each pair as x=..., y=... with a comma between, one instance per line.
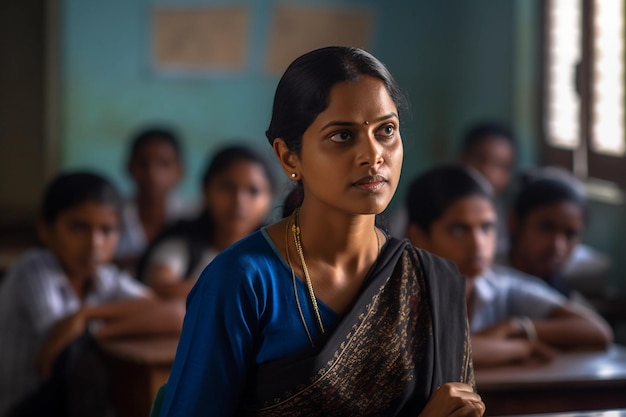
x=322, y=313
x=237, y=191
x=513, y=317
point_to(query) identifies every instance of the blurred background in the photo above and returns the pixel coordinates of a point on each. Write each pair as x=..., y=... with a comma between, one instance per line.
x=79, y=77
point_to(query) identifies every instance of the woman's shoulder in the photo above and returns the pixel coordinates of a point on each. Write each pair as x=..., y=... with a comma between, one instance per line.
x=249, y=267
x=250, y=247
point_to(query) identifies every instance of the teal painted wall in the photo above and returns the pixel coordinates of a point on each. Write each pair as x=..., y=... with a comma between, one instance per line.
x=455, y=59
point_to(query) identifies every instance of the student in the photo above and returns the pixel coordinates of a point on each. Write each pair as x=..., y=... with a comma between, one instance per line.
x=547, y=223
x=513, y=316
x=238, y=187
x=322, y=313
x=156, y=168
x=53, y=298
x=490, y=148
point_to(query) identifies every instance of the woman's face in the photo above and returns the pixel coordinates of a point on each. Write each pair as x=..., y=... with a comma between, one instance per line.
x=83, y=237
x=351, y=154
x=546, y=237
x=239, y=198
x=464, y=234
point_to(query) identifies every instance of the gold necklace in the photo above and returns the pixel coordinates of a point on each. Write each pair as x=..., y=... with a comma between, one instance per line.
x=295, y=228
x=295, y=286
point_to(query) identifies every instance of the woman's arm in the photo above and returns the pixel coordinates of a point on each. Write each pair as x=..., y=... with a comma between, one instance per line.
x=217, y=344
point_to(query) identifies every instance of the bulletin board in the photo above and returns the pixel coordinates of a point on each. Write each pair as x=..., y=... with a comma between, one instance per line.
x=297, y=29
x=200, y=38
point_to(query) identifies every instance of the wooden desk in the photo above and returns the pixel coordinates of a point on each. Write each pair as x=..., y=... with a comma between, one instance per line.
x=138, y=367
x=570, y=382
x=595, y=413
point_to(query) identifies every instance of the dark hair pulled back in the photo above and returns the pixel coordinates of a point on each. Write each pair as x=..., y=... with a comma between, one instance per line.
x=304, y=89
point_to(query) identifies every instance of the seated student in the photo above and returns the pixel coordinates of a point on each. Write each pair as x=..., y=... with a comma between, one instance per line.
x=490, y=149
x=53, y=300
x=155, y=167
x=238, y=186
x=513, y=317
x=547, y=223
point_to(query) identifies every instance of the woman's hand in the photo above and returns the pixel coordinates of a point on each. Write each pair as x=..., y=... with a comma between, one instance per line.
x=454, y=399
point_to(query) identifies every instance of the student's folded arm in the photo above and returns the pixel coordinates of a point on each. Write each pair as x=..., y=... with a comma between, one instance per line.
x=574, y=326
x=493, y=351
x=64, y=332
x=116, y=309
x=154, y=318
x=508, y=342
x=142, y=316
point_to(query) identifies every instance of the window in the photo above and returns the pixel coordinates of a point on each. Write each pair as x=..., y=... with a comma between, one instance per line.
x=583, y=114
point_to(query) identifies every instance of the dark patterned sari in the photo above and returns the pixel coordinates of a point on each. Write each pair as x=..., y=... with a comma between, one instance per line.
x=405, y=336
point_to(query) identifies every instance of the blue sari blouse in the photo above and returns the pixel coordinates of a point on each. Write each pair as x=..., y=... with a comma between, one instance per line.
x=242, y=312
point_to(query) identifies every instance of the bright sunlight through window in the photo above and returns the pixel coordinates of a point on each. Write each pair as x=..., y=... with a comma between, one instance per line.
x=564, y=52
x=608, y=78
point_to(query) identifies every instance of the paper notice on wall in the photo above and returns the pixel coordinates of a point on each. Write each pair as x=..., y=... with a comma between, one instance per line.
x=299, y=29
x=200, y=38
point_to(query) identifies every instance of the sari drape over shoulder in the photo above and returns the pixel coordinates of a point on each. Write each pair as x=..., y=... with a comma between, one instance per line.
x=406, y=335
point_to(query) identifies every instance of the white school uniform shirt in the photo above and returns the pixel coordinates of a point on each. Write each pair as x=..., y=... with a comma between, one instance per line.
x=133, y=240
x=502, y=293
x=174, y=254
x=34, y=295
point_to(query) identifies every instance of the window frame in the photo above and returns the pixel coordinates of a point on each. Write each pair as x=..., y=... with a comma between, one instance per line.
x=583, y=161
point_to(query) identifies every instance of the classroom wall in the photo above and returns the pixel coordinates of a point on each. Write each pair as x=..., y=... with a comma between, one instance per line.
x=457, y=60
x=442, y=53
